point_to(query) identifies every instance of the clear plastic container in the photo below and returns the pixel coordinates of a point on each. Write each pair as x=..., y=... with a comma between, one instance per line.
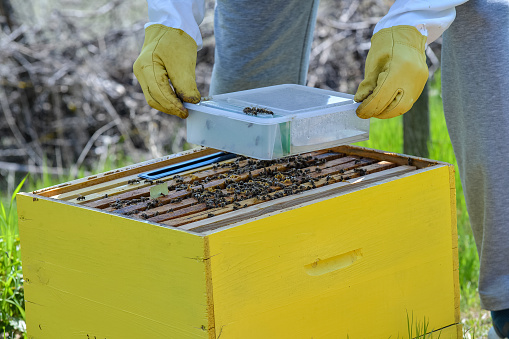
x=300, y=119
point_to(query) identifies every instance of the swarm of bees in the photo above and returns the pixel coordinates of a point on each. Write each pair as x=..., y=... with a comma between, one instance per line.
x=256, y=110
x=243, y=179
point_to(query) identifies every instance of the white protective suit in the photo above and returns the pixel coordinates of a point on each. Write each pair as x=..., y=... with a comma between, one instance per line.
x=431, y=17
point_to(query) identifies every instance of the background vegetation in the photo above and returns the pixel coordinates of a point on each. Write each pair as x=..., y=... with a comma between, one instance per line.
x=70, y=106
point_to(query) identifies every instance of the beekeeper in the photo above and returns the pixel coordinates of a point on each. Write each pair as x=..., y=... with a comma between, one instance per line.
x=262, y=43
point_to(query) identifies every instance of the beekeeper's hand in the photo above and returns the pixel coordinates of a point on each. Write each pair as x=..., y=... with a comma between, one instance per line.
x=167, y=53
x=395, y=73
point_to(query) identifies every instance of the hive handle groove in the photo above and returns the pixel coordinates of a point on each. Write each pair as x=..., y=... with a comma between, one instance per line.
x=323, y=266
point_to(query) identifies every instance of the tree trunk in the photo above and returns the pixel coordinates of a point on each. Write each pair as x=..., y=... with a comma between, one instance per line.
x=416, y=127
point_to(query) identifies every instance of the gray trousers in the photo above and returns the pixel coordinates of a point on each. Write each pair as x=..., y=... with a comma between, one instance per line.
x=262, y=43
x=475, y=89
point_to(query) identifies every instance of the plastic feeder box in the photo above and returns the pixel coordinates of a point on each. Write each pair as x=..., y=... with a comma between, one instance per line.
x=304, y=119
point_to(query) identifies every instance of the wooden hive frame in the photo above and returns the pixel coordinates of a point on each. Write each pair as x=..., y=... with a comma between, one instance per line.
x=203, y=232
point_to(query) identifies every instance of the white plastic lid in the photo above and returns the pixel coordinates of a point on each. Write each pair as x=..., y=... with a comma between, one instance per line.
x=286, y=101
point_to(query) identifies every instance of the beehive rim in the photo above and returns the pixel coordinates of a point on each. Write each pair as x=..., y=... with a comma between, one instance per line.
x=421, y=164
x=249, y=214
x=338, y=193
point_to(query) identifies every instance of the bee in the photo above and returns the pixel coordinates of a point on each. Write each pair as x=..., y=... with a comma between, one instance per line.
x=105, y=196
x=361, y=171
x=250, y=111
x=80, y=198
x=160, y=182
x=152, y=204
x=264, y=111
x=148, y=182
x=210, y=215
x=312, y=183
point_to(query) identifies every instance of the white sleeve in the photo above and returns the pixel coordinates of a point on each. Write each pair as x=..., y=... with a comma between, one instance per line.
x=186, y=15
x=430, y=17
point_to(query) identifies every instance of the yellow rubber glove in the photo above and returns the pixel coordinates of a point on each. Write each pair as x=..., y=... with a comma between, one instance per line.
x=395, y=73
x=167, y=53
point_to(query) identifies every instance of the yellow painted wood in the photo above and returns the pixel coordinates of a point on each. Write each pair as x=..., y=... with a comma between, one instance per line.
x=454, y=229
x=399, y=234
x=89, y=274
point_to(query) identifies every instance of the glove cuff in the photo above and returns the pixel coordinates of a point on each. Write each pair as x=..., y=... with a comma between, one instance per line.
x=155, y=31
x=404, y=35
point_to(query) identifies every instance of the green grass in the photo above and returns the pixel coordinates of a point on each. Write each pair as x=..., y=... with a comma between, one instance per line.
x=418, y=330
x=12, y=304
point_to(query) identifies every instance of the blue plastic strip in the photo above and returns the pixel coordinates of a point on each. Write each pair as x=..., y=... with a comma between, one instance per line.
x=187, y=165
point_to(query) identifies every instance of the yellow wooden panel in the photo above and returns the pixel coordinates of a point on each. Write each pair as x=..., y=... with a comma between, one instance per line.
x=454, y=229
x=94, y=275
x=379, y=253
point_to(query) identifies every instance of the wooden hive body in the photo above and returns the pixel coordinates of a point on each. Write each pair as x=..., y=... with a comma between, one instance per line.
x=352, y=258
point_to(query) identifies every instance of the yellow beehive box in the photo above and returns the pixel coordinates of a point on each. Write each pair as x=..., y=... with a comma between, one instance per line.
x=371, y=245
